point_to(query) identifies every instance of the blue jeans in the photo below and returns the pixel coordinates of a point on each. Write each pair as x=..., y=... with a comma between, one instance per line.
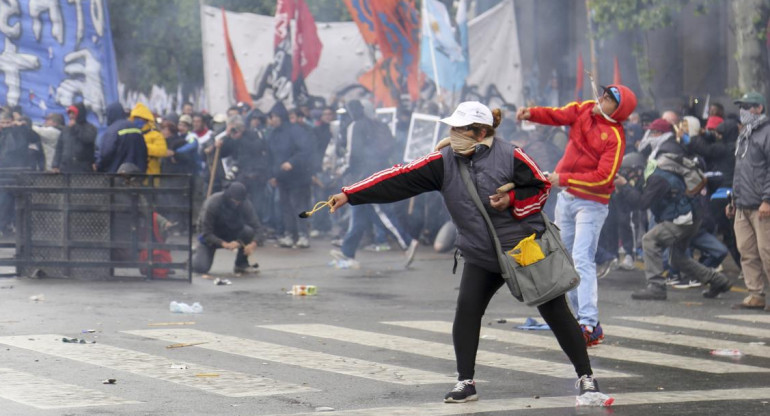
x=362, y=217
x=581, y=221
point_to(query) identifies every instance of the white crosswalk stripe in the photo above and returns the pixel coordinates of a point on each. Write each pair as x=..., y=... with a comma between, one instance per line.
x=437, y=350
x=214, y=380
x=762, y=318
x=604, y=351
x=530, y=403
x=701, y=325
x=296, y=356
x=46, y=393
x=686, y=340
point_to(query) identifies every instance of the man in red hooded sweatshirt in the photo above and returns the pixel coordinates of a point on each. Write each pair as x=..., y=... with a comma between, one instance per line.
x=587, y=172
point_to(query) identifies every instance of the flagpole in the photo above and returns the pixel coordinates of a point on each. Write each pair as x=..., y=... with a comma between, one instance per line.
x=592, y=42
x=432, y=49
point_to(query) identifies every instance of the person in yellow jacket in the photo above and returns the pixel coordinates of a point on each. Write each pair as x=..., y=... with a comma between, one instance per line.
x=156, y=143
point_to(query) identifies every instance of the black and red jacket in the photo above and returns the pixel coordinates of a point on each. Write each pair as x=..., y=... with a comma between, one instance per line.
x=490, y=168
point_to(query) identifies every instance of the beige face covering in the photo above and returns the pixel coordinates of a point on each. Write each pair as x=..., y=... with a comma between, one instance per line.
x=464, y=145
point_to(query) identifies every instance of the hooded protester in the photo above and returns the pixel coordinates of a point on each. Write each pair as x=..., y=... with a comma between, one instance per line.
x=227, y=220
x=291, y=150
x=591, y=160
x=75, y=148
x=157, y=148
x=121, y=143
x=369, y=143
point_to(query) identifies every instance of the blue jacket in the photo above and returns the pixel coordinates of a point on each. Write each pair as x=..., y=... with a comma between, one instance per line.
x=122, y=142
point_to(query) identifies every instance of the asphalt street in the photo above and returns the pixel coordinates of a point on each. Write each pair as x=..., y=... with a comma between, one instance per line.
x=373, y=341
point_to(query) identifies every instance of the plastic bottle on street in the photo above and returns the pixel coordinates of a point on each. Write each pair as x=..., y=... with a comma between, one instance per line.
x=180, y=307
x=726, y=353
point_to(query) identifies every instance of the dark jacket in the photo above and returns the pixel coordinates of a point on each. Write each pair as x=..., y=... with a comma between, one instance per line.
x=14, y=144
x=290, y=143
x=185, y=155
x=751, y=180
x=122, y=142
x=719, y=156
x=490, y=168
x=75, y=148
x=323, y=135
x=251, y=154
x=220, y=217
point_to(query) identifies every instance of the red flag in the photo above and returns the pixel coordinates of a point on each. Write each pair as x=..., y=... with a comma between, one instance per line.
x=579, y=78
x=616, y=79
x=363, y=15
x=239, y=84
x=284, y=12
x=306, y=51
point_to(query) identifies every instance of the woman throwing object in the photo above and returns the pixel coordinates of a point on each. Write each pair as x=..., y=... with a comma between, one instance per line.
x=492, y=162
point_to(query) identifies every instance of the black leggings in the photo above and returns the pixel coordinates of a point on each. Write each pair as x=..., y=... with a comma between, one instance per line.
x=476, y=290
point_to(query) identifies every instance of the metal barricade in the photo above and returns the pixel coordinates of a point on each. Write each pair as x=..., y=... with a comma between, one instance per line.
x=101, y=226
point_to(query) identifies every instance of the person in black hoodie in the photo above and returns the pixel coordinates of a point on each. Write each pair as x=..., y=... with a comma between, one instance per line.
x=121, y=143
x=76, y=146
x=291, y=149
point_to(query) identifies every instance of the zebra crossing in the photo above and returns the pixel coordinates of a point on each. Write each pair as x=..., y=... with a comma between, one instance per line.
x=382, y=344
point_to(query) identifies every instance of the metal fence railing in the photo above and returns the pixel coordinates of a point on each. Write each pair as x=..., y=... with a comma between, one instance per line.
x=99, y=226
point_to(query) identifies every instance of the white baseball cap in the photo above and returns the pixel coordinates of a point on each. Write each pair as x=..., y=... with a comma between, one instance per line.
x=468, y=113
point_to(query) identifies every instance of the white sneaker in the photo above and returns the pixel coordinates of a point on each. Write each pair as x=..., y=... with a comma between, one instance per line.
x=627, y=263
x=341, y=261
x=286, y=241
x=302, y=242
x=687, y=284
x=410, y=251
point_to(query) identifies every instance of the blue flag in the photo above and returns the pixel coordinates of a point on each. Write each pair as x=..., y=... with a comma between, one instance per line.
x=56, y=53
x=444, y=54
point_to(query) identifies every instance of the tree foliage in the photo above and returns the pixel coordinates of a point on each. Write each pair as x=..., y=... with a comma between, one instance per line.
x=626, y=15
x=159, y=42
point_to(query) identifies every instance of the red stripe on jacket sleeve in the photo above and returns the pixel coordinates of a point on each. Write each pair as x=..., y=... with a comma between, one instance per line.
x=522, y=208
x=386, y=174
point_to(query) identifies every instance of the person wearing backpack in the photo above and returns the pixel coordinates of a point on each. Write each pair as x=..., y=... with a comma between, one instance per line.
x=671, y=181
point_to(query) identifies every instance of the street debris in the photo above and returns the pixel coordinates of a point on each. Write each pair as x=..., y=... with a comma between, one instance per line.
x=757, y=343
x=489, y=337
x=171, y=323
x=37, y=298
x=531, y=324
x=324, y=409
x=179, y=366
x=6, y=287
x=303, y=290
x=222, y=282
x=207, y=375
x=77, y=341
x=502, y=321
x=182, y=345
x=88, y=331
x=109, y=381
x=725, y=352
x=180, y=307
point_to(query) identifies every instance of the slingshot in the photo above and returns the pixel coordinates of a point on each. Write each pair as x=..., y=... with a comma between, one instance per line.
x=318, y=206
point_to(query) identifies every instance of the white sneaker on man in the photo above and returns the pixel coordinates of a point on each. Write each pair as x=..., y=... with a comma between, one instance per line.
x=627, y=263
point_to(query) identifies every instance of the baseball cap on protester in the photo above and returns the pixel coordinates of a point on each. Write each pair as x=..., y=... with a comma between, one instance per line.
x=661, y=125
x=470, y=112
x=752, y=97
x=236, y=191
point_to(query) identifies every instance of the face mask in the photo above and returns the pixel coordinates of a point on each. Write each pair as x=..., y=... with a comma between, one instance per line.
x=747, y=117
x=462, y=144
x=140, y=123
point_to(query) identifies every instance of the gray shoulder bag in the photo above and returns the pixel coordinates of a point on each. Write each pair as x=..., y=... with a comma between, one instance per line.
x=539, y=282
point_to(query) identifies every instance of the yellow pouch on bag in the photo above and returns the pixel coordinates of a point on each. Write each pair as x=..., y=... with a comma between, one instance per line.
x=527, y=251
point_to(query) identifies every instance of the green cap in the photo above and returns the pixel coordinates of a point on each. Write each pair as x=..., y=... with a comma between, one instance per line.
x=752, y=98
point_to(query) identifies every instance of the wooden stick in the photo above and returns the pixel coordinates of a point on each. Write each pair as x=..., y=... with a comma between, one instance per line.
x=213, y=170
